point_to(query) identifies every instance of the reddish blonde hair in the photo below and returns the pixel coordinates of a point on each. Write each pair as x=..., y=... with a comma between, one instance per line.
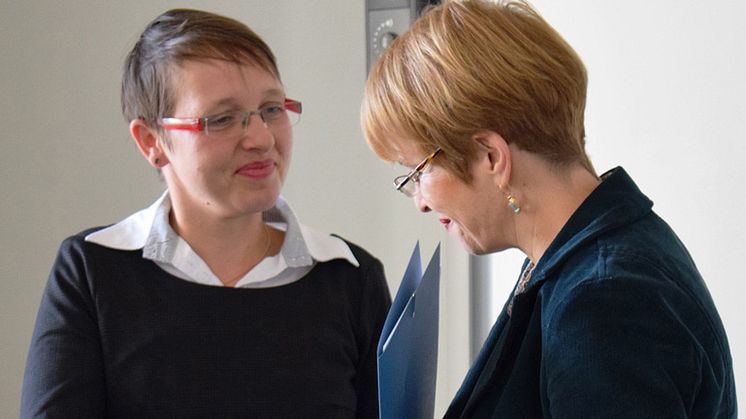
x=467, y=66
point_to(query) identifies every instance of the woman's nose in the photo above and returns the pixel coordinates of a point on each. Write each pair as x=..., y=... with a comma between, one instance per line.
x=257, y=134
x=419, y=202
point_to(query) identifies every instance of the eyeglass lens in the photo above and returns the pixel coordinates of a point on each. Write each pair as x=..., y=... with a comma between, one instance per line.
x=408, y=184
x=230, y=123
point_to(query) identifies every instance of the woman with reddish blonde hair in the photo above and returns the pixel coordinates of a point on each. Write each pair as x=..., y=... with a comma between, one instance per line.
x=484, y=102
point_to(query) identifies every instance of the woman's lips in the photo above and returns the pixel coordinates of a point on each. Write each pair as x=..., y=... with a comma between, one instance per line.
x=445, y=221
x=257, y=170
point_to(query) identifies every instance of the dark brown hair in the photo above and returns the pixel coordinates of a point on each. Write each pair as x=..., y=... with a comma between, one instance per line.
x=176, y=36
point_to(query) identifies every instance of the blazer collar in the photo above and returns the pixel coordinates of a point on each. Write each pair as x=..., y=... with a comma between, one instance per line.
x=617, y=201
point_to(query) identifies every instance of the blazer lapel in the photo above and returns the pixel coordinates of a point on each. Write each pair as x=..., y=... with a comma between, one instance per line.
x=500, y=349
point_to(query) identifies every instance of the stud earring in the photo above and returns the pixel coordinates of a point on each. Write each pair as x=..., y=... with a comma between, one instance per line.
x=157, y=161
x=513, y=204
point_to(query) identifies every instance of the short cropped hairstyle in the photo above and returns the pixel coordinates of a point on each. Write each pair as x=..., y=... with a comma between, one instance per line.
x=177, y=36
x=469, y=66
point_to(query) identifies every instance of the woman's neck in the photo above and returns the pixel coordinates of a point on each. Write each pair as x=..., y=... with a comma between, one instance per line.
x=550, y=197
x=231, y=247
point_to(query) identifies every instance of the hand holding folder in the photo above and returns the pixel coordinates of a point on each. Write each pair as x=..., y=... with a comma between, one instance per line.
x=408, y=348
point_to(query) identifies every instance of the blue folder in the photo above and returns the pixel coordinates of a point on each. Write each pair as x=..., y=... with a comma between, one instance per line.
x=408, y=349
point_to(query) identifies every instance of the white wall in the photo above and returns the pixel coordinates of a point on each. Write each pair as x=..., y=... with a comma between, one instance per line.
x=666, y=101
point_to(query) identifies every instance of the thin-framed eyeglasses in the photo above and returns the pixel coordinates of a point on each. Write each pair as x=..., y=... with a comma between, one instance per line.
x=408, y=184
x=276, y=115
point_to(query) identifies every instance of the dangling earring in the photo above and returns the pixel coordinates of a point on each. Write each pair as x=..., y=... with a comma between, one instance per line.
x=513, y=204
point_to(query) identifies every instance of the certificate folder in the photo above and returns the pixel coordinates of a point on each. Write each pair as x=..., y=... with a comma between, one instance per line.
x=408, y=348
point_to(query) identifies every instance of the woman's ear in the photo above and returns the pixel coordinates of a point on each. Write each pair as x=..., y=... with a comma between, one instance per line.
x=495, y=155
x=147, y=140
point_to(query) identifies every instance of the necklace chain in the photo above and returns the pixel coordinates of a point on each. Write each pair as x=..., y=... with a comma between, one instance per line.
x=268, y=239
x=269, y=242
x=525, y=277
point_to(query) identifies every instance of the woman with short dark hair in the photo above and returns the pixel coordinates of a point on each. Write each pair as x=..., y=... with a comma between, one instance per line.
x=214, y=301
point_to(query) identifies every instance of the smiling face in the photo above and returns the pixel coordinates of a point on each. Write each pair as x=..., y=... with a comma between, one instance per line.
x=226, y=176
x=468, y=211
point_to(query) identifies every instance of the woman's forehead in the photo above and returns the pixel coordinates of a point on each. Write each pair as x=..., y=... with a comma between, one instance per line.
x=208, y=83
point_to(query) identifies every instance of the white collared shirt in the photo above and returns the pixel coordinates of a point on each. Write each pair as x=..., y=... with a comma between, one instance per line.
x=149, y=230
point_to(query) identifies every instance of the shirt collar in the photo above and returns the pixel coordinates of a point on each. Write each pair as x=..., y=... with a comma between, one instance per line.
x=148, y=229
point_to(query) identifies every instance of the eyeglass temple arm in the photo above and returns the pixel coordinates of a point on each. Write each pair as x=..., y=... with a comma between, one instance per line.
x=293, y=105
x=187, y=124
